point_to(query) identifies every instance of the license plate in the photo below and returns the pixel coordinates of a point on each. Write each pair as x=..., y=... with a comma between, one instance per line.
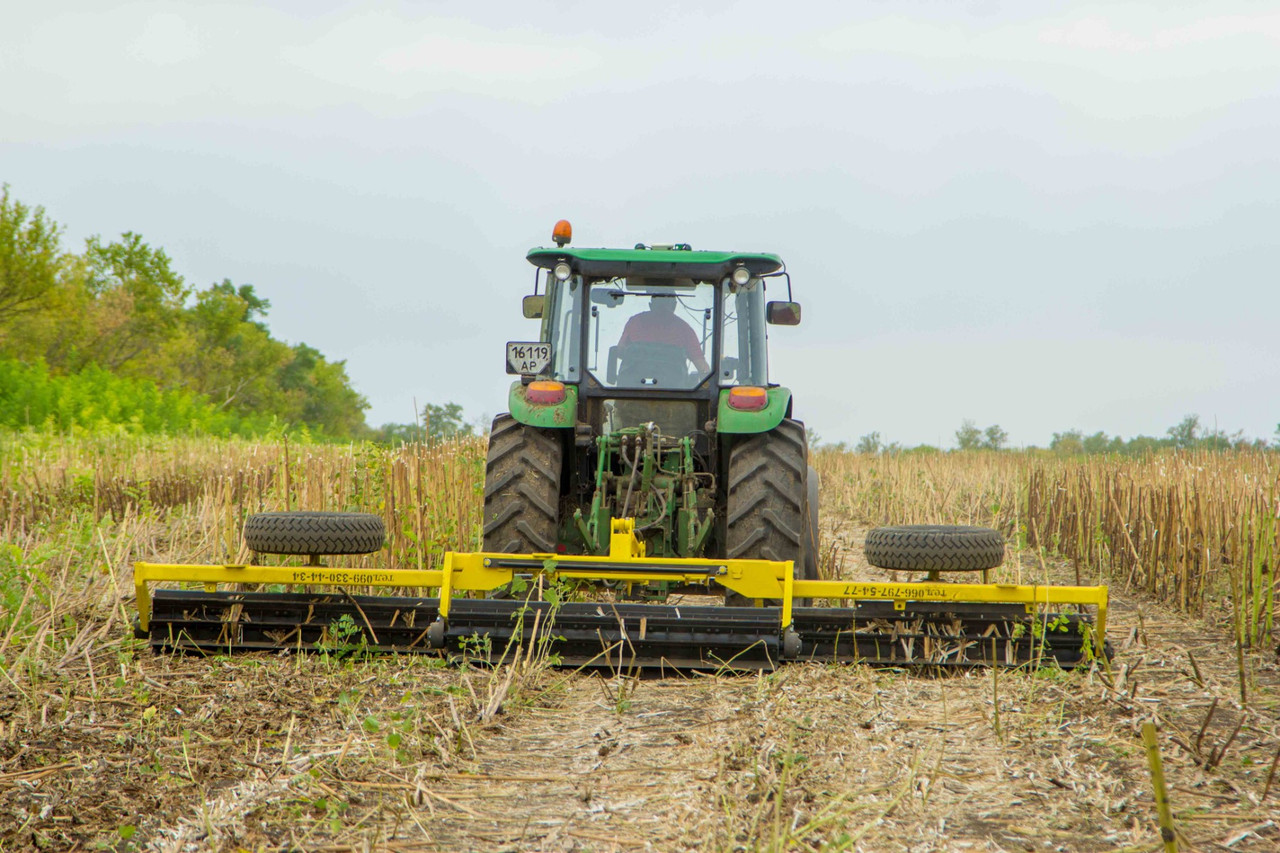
x=528, y=359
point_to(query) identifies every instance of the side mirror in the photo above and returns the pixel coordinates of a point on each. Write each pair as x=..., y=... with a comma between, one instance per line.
x=532, y=306
x=783, y=313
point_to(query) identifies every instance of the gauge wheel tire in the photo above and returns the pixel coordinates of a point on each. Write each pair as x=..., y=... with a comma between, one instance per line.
x=521, y=488
x=765, y=516
x=935, y=548
x=314, y=533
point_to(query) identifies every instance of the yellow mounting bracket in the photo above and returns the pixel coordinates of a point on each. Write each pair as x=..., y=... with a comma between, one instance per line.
x=623, y=543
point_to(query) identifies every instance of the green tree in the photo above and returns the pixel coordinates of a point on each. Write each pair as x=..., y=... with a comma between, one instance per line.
x=1141, y=445
x=30, y=257
x=1219, y=439
x=137, y=301
x=318, y=392
x=443, y=422
x=1097, y=443
x=392, y=433
x=994, y=438
x=120, y=311
x=1069, y=443
x=96, y=399
x=922, y=450
x=227, y=352
x=869, y=443
x=968, y=437
x=57, y=329
x=1185, y=434
x=332, y=404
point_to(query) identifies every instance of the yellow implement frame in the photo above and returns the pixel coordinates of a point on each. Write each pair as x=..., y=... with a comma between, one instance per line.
x=626, y=563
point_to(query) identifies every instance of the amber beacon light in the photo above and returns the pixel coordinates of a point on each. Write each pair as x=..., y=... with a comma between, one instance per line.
x=562, y=233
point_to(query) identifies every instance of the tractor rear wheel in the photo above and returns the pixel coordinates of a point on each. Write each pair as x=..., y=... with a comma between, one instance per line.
x=812, y=548
x=766, y=513
x=314, y=534
x=521, y=488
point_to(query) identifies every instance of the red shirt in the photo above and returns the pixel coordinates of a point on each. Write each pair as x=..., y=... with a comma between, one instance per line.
x=652, y=327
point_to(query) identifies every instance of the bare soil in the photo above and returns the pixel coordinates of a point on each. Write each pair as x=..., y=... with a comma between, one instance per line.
x=112, y=747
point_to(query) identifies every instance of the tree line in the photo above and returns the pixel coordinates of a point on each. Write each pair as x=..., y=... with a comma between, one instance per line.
x=1187, y=434
x=113, y=334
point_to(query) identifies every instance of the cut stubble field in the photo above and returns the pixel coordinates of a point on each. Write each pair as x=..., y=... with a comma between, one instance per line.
x=104, y=745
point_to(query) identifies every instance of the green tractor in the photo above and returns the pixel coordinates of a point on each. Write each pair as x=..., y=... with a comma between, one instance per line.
x=645, y=454
x=647, y=396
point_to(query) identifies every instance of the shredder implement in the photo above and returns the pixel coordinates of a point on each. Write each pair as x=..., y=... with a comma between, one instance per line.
x=648, y=502
x=925, y=624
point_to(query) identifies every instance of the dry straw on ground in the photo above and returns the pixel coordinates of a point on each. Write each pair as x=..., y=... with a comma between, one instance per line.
x=104, y=745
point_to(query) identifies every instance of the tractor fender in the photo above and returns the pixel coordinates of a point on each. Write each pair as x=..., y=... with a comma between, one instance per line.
x=735, y=421
x=562, y=415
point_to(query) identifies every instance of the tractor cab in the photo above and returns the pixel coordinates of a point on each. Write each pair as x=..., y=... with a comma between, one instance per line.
x=654, y=334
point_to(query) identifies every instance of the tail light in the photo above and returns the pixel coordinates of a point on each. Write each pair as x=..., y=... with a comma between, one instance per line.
x=748, y=398
x=545, y=391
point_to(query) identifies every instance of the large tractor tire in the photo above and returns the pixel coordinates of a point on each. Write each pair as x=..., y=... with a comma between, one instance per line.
x=314, y=533
x=521, y=488
x=935, y=548
x=766, y=515
x=811, y=546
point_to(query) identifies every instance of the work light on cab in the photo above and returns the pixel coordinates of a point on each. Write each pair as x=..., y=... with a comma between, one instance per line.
x=748, y=398
x=545, y=391
x=562, y=233
x=562, y=271
x=741, y=276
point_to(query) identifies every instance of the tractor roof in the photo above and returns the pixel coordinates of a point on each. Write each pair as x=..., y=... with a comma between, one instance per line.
x=655, y=262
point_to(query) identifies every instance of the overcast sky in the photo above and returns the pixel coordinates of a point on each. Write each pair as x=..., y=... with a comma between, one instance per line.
x=1039, y=215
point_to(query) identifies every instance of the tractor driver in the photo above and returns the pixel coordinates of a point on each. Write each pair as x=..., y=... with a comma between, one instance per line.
x=660, y=325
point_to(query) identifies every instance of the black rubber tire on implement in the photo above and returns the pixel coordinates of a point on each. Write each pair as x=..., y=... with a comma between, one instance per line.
x=765, y=516
x=314, y=533
x=521, y=488
x=935, y=548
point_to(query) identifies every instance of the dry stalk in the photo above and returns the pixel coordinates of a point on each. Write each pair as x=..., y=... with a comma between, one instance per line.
x=1213, y=706
x=1216, y=755
x=1271, y=776
x=1168, y=834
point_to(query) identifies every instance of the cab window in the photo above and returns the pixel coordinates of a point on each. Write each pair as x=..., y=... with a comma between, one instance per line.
x=743, y=349
x=561, y=326
x=647, y=332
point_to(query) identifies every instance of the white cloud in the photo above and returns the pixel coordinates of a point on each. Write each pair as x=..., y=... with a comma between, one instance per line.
x=165, y=39
x=1250, y=32
x=388, y=55
x=1113, y=61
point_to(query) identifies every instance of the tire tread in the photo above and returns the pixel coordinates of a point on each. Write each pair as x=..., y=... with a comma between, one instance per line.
x=935, y=547
x=314, y=533
x=521, y=488
x=765, y=513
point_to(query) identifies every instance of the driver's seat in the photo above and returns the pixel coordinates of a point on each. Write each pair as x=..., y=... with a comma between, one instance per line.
x=648, y=364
